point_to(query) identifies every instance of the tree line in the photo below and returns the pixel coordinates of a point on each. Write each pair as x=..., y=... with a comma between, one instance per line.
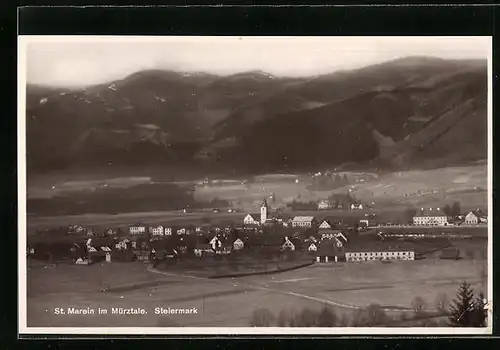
x=466, y=310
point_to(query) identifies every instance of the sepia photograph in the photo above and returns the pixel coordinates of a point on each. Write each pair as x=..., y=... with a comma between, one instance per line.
x=255, y=185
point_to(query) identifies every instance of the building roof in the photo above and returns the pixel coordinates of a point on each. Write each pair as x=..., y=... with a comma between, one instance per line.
x=203, y=246
x=255, y=217
x=303, y=218
x=430, y=212
x=479, y=213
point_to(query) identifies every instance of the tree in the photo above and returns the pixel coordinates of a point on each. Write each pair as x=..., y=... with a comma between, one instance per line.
x=344, y=321
x=283, y=318
x=410, y=213
x=479, y=313
x=375, y=315
x=461, y=308
x=307, y=318
x=326, y=318
x=455, y=209
x=441, y=303
x=447, y=210
x=418, y=305
x=262, y=318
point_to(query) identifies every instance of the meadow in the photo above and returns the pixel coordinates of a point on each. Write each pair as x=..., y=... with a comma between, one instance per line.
x=344, y=287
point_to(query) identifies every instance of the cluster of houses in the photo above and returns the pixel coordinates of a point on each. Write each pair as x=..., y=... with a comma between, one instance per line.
x=326, y=240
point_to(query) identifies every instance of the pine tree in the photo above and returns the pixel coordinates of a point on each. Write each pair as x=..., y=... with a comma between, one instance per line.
x=462, y=307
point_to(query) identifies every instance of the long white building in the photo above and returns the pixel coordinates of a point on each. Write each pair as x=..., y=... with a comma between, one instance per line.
x=431, y=217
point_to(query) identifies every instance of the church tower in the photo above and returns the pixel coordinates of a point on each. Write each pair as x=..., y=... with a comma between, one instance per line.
x=263, y=212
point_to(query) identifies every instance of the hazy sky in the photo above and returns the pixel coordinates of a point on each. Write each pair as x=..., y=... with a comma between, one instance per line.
x=88, y=60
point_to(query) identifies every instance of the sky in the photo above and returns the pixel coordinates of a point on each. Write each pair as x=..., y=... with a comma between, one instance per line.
x=79, y=61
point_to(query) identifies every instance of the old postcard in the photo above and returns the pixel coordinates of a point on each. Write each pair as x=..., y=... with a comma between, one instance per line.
x=255, y=185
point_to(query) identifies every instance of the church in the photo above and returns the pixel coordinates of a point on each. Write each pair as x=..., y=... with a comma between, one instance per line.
x=256, y=219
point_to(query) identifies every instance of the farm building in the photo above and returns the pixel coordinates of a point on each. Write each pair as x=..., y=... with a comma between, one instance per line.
x=369, y=254
x=476, y=217
x=304, y=221
x=431, y=218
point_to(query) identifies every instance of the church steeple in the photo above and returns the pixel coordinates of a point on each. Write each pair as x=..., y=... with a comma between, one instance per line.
x=263, y=211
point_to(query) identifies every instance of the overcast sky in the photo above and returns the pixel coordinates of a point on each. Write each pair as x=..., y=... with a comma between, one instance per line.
x=70, y=61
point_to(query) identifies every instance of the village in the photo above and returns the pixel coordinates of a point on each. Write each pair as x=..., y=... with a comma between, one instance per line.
x=261, y=235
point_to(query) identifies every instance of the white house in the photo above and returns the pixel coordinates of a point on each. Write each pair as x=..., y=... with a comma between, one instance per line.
x=215, y=243
x=324, y=204
x=288, y=245
x=251, y=219
x=157, y=230
x=167, y=231
x=476, y=217
x=303, y=221
x=325, y=225
x=356, y=206
x=137, y=230
x=431, y=218
x=238, y=244
x=181, y=231
x=312, y=248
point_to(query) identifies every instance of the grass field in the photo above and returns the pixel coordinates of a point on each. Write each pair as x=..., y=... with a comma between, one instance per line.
x=230, y=302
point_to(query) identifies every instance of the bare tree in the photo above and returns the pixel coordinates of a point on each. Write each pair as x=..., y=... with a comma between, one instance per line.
x=283, y=318
x=307, y=318
x=442, y=302
x=262, y=318
x=375, y=314
x=343, y=321
x=418, y=305
x=327, y=317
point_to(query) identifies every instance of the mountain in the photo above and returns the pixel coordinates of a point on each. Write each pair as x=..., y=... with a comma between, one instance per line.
x=403, y=112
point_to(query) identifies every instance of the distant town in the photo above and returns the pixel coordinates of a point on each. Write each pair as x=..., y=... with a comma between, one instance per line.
x=269, y=232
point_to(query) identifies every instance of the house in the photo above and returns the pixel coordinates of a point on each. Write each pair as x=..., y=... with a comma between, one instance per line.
x=137, y=230
x=111, y=232
x=312, y=248
x=356, y=206
x=369, y=254
x=288, y=245
x=224, y=248
x=251, y=219
x=324, y=204
x=181, y=231
x=202, y=249
x=238, y=244
x=325, y=225
x=476, y=217
x=303, y=221
x=167, y=231
x=431, y=218
x=364, y=223
x=156, y=230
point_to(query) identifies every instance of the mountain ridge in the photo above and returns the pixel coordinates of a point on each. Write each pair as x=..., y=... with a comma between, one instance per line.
x=167, y=117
